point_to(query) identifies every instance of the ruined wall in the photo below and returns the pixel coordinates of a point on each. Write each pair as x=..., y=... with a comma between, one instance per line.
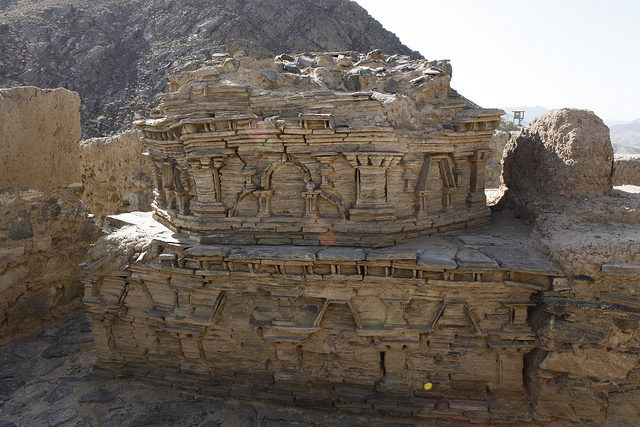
x=116, y=176
x=361, y=330
x=586, y=367
x=369, y=148
x=559, y=157
x=626, y=169
x=44, y=232
x=494, y=163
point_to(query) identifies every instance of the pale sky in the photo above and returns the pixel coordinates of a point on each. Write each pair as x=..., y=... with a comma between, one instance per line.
x=553, y=53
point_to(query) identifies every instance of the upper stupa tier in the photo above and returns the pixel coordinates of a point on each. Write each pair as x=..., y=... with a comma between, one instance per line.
x=325, y=148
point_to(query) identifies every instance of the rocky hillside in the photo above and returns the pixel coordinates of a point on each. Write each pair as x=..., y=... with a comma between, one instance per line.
x=117, y=54
x=626, y=137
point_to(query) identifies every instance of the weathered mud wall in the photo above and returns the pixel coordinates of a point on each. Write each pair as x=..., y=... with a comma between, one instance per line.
x=44, y=231
x=626, y=169
x=494, y=163
x=116, y=176
x=586, y=366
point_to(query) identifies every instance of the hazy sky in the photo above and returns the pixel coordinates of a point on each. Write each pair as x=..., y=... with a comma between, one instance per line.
x=553, y=53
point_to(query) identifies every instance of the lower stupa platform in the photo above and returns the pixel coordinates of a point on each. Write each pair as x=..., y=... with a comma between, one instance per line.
x=438, y=327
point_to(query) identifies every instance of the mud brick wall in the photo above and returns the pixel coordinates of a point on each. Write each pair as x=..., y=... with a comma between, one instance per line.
x=116, y=177
x=44, y=230
x=44, y=237
x=626, y=169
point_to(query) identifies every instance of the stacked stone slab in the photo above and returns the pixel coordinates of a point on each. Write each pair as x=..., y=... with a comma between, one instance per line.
x=277, y=264
x=361, y=150
x=359, y=329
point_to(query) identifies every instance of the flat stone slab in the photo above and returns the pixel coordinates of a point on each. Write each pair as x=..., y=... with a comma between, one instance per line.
x=473, y=259
x=623, y=270
x=209, y=250
x=438, y=258
x=284, y=253
x=27, y=349
x=516, y=259
x=481, y=240
x=392, y=253
x=341, y=254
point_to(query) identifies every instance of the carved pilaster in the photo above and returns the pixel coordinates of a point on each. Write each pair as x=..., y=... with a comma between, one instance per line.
x=183, y=188
x=372, y=196
x=158, y=192
x=326, y=170
x=458, y=169
x=476, y=187
x=409, y=175
x=206, y=178
x=311, y=206
x=168, y=184
x=264, y=202
x=250, y=170
x=423, y=202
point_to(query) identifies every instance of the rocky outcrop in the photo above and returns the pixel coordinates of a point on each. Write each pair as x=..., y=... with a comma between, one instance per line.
x=44, y=231
x=116, y=176
x=560, y=156
x=117, y=54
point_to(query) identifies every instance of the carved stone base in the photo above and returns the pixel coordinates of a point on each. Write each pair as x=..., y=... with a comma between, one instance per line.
x=341, y=327
x=385, y=213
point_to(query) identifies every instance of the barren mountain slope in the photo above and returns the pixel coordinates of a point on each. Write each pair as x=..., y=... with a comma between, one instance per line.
x=117, y=54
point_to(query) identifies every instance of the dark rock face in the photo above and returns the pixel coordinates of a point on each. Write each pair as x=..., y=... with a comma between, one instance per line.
x=118, y=54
